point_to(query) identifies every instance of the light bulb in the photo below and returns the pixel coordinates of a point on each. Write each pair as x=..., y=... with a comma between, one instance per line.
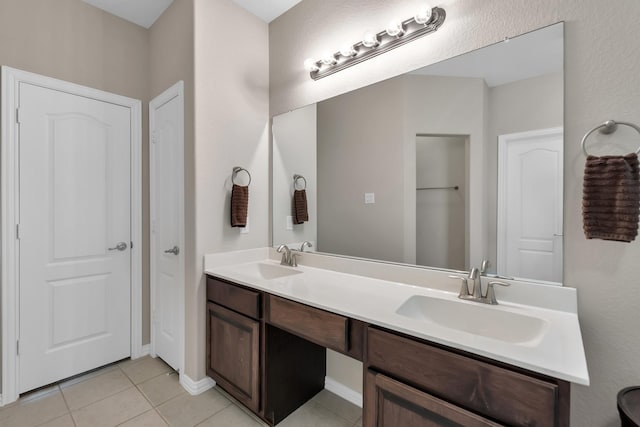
x=310, y=65
x=370, y=39
x=395, y=28
x=423, y=16
x=348, y=51
x=328, y=59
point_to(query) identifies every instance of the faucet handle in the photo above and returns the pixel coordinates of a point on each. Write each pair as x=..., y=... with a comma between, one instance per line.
x=490, y=297
x=464, y=286
x=484, y=266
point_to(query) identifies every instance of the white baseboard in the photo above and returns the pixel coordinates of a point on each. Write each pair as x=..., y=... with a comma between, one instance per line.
x=145, y=350
x=343, y=391
x=196, y=387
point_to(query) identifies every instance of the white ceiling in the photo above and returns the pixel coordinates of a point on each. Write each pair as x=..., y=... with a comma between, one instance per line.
x=529, y=55
x=141, y=12
x=267, y=10
x=146, y=12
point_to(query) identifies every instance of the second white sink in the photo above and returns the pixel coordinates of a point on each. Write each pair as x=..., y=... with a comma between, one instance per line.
x=474, y=318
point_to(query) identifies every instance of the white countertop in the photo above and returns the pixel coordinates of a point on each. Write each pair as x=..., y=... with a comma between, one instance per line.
x=557, y=353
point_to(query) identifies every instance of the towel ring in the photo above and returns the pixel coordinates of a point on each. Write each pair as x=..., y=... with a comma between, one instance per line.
x=608, y=127
x=237, y=169
x=296, y=178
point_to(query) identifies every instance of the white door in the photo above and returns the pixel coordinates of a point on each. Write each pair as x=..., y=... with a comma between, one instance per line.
x=530, y=196
x=167, y=225
x=75, y=233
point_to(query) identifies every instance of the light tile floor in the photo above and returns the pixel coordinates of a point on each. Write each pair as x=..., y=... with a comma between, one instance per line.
x=146, y=393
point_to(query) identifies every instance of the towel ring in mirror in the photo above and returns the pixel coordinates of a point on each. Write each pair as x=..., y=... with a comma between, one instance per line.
x=237, y=169
x=297, y=178
x=608, y=127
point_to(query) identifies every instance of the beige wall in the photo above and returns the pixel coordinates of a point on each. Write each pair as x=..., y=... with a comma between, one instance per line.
x=72, y=41
x=508, y=114
x=231, y=129
x=467, y=97
x=360, y=151
x=601, y=64
x=294, y=152
x=367, y=143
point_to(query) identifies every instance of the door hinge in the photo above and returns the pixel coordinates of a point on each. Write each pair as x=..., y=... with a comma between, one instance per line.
x=17, y=115
x=18, y=231
x=18, y=348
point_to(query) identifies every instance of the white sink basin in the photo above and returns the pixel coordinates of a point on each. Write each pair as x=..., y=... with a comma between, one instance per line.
x=265, y=271
x=475, y=318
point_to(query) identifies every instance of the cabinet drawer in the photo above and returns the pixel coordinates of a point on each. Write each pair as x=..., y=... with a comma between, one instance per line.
x=513, y=398
x=389, y=403
x=234, y=297
x=324, y=328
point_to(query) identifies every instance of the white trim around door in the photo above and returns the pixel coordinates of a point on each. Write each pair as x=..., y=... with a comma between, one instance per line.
x=11, y=79
x=174, y=94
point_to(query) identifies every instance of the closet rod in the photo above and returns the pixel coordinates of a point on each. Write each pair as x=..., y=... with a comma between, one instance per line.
x=454, y=187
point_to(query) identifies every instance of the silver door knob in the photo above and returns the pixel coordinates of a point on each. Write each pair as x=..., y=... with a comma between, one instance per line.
x=122, y=246
x=174, y=250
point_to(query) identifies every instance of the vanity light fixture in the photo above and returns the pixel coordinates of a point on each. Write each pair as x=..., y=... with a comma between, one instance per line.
x=395, y=29
x=397, y=33
x=370, y=39
x=348, y=51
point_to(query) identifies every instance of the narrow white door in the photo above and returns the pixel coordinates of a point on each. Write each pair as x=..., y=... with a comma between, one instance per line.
x=167, y=225
x=74, y=213
x=530, y=198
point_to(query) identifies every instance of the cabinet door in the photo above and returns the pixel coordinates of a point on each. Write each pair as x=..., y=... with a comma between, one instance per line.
x=389, y=403
x=233, y=354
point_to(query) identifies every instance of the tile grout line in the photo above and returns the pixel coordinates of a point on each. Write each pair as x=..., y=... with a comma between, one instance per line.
x=64, y=399
x=334, y=412
x=153, y=407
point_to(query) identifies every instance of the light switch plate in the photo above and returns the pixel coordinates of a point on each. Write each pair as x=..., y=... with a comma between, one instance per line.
x=289, y=222
x=369, y=198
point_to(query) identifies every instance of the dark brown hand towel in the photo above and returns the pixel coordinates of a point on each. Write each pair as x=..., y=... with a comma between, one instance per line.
x=239, y=205
x=300, y=211
x=611, y=197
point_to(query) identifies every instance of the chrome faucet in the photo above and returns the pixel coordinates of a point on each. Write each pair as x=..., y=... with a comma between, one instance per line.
x=476, y=295
x=476, y=291
x=307, y=244
x=289, y=257
x=286, y=254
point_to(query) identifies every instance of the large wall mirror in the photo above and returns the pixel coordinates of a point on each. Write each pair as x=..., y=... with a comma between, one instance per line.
x=442, y=167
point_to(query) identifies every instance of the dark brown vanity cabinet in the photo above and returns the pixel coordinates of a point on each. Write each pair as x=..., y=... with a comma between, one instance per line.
x=270, y=370
x=233, y=340
x=410, y=382
x=269, y=353
x=391, y=403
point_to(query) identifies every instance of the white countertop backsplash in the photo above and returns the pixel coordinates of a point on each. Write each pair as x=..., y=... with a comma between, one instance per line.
x=372, y=292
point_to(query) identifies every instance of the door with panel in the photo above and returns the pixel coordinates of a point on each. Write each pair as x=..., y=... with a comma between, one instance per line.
x=74, y=235
x=166, y=122
x=530, y=203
